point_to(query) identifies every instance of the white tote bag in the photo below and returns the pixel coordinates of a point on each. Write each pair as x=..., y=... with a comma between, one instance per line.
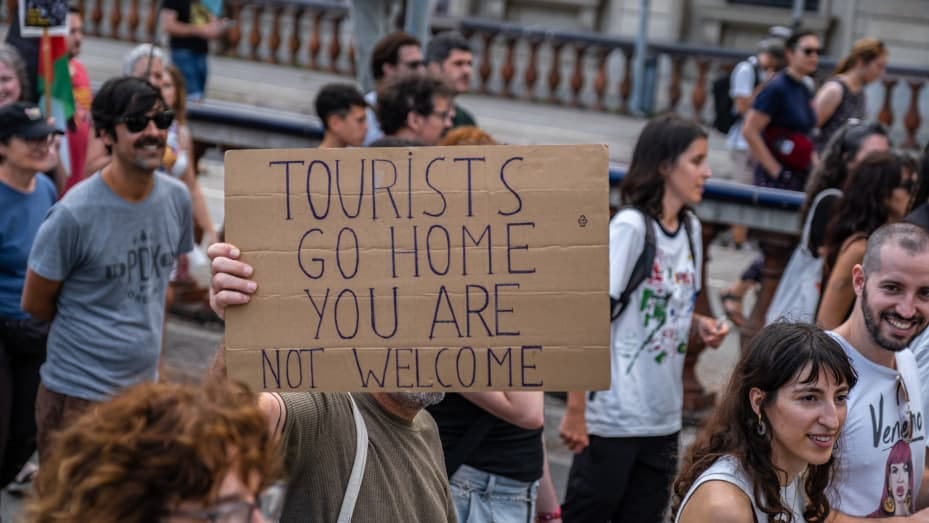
x=797, y=294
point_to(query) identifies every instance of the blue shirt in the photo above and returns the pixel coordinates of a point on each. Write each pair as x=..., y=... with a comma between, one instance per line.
x=789, y=103
x=21, y=214
x=113, y=259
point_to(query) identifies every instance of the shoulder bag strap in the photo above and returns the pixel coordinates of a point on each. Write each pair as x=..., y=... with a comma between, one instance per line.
x=808, y=224
x=358, y=468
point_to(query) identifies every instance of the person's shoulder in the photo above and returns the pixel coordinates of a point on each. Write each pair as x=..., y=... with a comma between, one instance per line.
x=919, y=216
x=172, y=187
x=630, y=217
x=719, y=501
x=46, y=186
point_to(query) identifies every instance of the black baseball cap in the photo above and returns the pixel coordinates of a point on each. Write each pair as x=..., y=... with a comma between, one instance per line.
x=24, y=120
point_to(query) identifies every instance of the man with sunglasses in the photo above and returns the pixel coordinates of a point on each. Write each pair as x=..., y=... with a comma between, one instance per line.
x=416, y=106
x=394, y=55
x=891, y=309
x=101, y=261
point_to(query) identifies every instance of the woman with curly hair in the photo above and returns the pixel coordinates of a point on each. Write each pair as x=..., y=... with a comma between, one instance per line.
x=849, y=145
x=878, y=191
x=766, y=454
x=163, y=452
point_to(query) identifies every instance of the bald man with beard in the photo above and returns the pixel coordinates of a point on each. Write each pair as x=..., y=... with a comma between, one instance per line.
x=404, y=477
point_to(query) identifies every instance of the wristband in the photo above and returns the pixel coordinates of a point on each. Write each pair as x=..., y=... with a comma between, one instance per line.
x=548, y=516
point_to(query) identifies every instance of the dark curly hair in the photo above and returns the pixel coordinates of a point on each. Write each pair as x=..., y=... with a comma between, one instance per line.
x=863, y=205
x=153, y=446
x=842, y=147
x=409, y=93
x=776, y=357
x=661, y=142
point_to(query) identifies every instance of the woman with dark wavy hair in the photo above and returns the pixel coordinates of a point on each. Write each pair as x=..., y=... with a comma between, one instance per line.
x=849, y=145
x=878, y=191
x=767, y=452
x=163, y=453
x=625, y=439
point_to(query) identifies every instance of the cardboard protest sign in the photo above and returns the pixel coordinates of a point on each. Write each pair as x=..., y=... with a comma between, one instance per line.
x=432, y=268
x=36, y=16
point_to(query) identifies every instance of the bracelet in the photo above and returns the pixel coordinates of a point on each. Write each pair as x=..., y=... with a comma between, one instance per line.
x=548, y=516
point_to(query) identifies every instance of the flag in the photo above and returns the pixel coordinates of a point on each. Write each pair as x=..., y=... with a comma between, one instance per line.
x=53, y=71
x=55, y=80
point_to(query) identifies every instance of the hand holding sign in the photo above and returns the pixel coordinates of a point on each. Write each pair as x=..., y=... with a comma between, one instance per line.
x=230, y=284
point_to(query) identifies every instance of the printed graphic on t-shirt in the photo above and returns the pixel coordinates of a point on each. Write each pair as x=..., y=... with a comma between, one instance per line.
x=143, y=265
x=199, y=14
x=660, y=318
x=897, y=496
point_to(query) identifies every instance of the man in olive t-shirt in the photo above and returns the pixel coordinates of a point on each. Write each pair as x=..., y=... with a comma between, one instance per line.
x=404, y=477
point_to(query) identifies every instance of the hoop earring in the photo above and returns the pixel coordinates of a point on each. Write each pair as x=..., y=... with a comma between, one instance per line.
x=761, y=428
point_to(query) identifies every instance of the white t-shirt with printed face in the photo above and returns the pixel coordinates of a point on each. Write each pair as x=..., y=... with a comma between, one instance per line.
x=881, y=454
x=649, y=340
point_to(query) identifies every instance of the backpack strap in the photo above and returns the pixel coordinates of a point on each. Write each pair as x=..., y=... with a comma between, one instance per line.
x=688, y=229
x=358, y=467
x=642, y=267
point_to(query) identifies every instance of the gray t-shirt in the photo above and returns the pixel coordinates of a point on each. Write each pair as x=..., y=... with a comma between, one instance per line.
x=114, y=259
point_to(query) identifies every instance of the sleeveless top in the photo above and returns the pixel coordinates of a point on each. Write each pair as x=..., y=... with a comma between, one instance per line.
x=728, y=469
x=852, y=105
x=176, y=159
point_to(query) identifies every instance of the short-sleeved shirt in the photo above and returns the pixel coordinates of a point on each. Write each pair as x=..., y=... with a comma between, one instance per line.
x=789, y=103
x=113, y=259
x=742, y=82
x=193, y=13
x=404, y=477
x=648, y=341
x=882, y=448
x=21, y=214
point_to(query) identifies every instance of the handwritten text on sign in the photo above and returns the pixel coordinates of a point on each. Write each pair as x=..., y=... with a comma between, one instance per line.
x=438, y=268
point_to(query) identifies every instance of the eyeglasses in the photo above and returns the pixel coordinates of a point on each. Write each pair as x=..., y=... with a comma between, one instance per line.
x=270, y=504
x=444, y=115
x=137, y=122
x=810, y=51
x=906, y=415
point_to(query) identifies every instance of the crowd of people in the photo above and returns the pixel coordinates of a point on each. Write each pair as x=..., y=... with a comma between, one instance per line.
x=822, y=419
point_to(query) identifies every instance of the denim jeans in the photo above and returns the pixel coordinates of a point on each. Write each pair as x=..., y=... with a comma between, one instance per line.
x=193, y=66
x=481, y=497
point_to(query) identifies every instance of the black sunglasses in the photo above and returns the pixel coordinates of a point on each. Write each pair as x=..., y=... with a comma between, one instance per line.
x=137, y=122
x=809, y=51
x=907, y=185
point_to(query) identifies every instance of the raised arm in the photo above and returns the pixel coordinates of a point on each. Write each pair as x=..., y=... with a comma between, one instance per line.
x=521, y=408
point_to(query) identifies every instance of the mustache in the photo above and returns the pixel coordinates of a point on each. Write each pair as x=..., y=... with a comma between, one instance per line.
x=149, y=140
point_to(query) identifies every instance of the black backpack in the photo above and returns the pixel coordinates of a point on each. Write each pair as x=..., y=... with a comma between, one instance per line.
x=723, y=105
x=643, y=265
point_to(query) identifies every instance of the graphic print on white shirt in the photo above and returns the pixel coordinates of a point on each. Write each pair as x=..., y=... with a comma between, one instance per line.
x=649, y=340
x=882, y=448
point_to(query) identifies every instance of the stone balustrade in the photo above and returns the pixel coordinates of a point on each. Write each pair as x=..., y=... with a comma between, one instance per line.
x=586, y=70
